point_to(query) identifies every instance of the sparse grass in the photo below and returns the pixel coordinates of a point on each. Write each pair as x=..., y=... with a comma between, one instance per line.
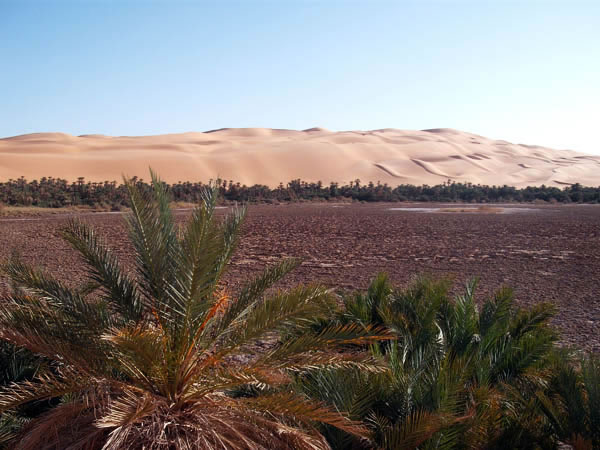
x=35, y=211
x=17, y=211
x=182, y=205
x=480, y=210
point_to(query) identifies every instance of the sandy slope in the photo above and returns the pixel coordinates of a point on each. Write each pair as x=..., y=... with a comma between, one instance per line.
x=267, y=156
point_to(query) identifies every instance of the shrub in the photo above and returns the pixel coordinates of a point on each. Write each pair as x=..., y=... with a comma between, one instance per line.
x=459, y=374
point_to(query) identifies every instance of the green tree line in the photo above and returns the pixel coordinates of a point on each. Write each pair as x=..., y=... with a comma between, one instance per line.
x=56, y=192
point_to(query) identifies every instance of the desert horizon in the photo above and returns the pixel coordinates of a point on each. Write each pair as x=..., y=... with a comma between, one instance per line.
x=271, y=156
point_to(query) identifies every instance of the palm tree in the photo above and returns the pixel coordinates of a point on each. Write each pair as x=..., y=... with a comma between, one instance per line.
x=460, y=375
x=157, y=358
x=572, y=402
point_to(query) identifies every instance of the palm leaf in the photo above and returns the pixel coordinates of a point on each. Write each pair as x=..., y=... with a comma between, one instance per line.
x=253, y=291
x=303, y=410
x=44, y=387
x=56, y=293
x=153, y=235
x=104, y=270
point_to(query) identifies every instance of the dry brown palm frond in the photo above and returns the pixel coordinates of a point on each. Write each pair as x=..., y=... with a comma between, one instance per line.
x=128, y=408
x=300, y=409
x=211, y=427
x=69, y=426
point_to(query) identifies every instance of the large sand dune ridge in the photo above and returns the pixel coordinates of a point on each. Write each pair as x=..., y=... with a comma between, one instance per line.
x=270, y=156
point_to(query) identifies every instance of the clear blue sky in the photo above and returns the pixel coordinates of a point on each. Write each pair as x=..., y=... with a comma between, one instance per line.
x=523, y=71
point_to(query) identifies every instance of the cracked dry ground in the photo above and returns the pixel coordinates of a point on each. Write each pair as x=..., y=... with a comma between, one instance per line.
x=550, y=253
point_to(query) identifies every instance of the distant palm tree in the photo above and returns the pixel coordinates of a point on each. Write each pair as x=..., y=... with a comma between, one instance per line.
x=166, y=358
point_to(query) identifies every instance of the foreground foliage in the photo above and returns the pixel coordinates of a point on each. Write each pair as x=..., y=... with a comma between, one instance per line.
x=461, y=375
x=572, y=402
x=157, y=359
x=17, y=365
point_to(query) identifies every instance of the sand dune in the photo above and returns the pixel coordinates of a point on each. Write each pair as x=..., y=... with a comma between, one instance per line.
x=270, y=156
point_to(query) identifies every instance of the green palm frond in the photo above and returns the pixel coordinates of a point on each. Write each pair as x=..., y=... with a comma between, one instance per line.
x=590, y=375
x=140, y=353
x=119, y=290
x=280, y=312
x=331, y=336
x=353, y=391
x=252, y=293
x=55, y=293
x=153, y=235
x=495, y=312
x=43, y=387
x=574, y=391
x=365, y=308
x=301, y=409
x=417, y=428
x=207, y=249
x=529, y=320
x=465, y=332
x=33, y=324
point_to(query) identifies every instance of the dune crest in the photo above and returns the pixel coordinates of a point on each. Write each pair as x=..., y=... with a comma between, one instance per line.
x=270, y=156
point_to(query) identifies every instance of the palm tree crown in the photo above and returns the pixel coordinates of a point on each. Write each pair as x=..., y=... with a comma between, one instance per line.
x=461, y=375
x=165, y=357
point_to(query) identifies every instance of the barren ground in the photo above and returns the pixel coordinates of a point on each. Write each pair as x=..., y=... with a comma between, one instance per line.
x=548, y=253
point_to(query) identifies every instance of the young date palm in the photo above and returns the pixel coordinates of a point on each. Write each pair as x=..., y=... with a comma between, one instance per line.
x=461, y=375
x=572, y=402
x=149, y=360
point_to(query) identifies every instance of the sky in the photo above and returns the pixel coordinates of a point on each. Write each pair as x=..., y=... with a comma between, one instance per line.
x=524, y=71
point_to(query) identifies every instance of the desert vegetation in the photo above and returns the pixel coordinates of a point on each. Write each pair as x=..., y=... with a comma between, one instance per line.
x=55, y=193
x=165, y=356
x=161, y=360
x=460, y=375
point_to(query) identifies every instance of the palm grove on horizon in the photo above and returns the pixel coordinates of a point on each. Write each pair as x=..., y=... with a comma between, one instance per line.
x=50, y=192
x=167, y=358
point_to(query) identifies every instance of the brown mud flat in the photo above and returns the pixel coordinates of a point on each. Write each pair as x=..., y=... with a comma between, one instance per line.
x=546, y=253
